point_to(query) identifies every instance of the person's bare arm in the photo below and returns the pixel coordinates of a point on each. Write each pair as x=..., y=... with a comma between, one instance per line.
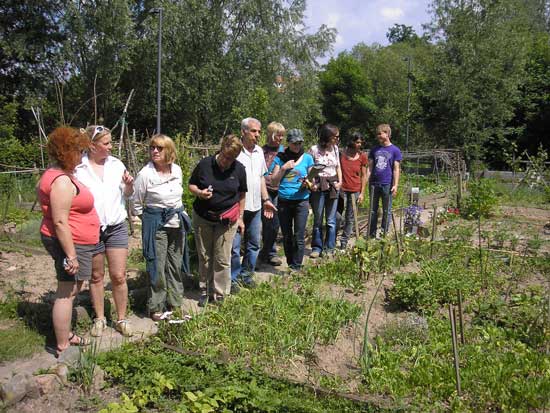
x=338, y=184
x=364, y=180
x=240, y=221
x=396, y=172
x=61, y=198
x=268, y=208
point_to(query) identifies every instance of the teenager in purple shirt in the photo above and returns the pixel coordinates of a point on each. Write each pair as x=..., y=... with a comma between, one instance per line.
x=384, y=161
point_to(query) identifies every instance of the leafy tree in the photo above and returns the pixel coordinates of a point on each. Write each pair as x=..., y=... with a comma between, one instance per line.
x=400, y=33
x=348, y=100
x=477, y=72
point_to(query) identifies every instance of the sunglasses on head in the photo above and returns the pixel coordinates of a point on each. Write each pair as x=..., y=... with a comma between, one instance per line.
x=158, y=148
x=98, y=130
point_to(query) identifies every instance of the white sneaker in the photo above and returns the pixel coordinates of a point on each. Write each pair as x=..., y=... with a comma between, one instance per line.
x=98, y=327
x=124, y=327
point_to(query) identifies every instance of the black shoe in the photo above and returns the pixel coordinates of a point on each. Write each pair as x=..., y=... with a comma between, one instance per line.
x=274, y=261
x=203, y=300
x=235, y=289
x=250, y=283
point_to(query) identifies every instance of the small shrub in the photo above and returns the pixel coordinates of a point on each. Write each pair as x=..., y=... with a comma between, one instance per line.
x=482, y=200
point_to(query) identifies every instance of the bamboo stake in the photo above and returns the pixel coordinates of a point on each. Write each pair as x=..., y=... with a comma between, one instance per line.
x=480, y=252
x=455, y=349
x=461, y=317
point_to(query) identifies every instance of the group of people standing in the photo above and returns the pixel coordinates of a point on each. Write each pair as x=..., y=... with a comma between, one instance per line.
x=243, y=195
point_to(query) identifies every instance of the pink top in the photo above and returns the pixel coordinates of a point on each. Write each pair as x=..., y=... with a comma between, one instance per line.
x=83, y=219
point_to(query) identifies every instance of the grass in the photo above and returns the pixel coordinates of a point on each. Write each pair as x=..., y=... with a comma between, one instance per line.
x=265, y=324
x=18, y=340
x=522, y=195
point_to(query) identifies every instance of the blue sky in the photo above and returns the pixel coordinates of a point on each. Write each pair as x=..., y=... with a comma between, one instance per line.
x=365, y=20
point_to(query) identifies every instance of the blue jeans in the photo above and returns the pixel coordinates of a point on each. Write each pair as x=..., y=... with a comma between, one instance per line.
x=252, y=232
x=349, y=217
x=270, y=229
x=377, y=192
x=293, y=218
x=322, y=204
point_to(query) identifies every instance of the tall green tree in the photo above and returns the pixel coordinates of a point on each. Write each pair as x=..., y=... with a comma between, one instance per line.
x=348, y=99
x=477, y=72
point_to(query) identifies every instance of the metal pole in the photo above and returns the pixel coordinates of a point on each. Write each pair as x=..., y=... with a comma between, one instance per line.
x=159, y=64
x=409, y=60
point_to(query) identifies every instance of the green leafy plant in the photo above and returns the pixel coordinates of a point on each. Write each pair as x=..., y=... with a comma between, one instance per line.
x=481, y=201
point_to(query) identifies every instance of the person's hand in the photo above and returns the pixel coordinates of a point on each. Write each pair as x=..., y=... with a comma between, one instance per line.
x=127, y=179
x=337, y=185
x=269, y=209
x=204, y=194
x=289, y=165
x=71, y=265
x=240, y=225
x=394, y=190
x=360, y=198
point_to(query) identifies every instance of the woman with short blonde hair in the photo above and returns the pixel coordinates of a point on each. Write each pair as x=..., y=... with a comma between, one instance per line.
x=158, y=191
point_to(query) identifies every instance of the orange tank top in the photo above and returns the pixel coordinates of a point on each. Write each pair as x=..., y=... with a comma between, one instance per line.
x=83, y=219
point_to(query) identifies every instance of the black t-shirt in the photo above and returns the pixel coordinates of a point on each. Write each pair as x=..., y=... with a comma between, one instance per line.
x=227, y=186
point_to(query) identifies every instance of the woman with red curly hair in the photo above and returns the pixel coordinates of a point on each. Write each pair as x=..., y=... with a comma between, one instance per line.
x=69, y=229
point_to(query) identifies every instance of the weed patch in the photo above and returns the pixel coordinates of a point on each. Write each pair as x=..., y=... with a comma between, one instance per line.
x=159, y=379
x=265, y=324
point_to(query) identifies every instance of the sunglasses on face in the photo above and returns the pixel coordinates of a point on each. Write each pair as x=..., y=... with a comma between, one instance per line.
x=297, y=143
x=97, y=130
x=158, y=148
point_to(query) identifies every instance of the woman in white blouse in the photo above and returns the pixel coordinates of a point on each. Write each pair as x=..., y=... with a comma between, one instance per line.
x=158, y=202
x=109, y=182
x=325, y=190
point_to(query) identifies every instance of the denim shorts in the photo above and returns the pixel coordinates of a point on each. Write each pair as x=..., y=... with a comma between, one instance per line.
x=114, y=236
x=84, y=254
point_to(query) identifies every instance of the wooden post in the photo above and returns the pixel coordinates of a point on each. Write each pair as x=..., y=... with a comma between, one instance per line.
x=434, y=226
x=371, y=196
x=396, y=238
x=355, y=217
x=455, y=349
x=459, y=183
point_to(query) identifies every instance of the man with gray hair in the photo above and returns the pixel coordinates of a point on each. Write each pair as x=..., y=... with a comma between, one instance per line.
x=252, y=157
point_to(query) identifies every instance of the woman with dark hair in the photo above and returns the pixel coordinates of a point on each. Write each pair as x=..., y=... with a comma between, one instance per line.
x=157, y=200
x=354, y=164
x=110, y=183
x=325, y=189
x=290, y=173
x=69, y=229
x=219, y=183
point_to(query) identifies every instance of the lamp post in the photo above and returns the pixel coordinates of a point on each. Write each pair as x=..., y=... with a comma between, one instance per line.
x=158, y=10
x=408, y=59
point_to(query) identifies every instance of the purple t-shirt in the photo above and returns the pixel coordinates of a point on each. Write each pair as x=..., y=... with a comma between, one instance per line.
x=384, y=158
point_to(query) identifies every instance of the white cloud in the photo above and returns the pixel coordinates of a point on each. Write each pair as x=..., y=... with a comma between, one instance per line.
x=391, y=13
